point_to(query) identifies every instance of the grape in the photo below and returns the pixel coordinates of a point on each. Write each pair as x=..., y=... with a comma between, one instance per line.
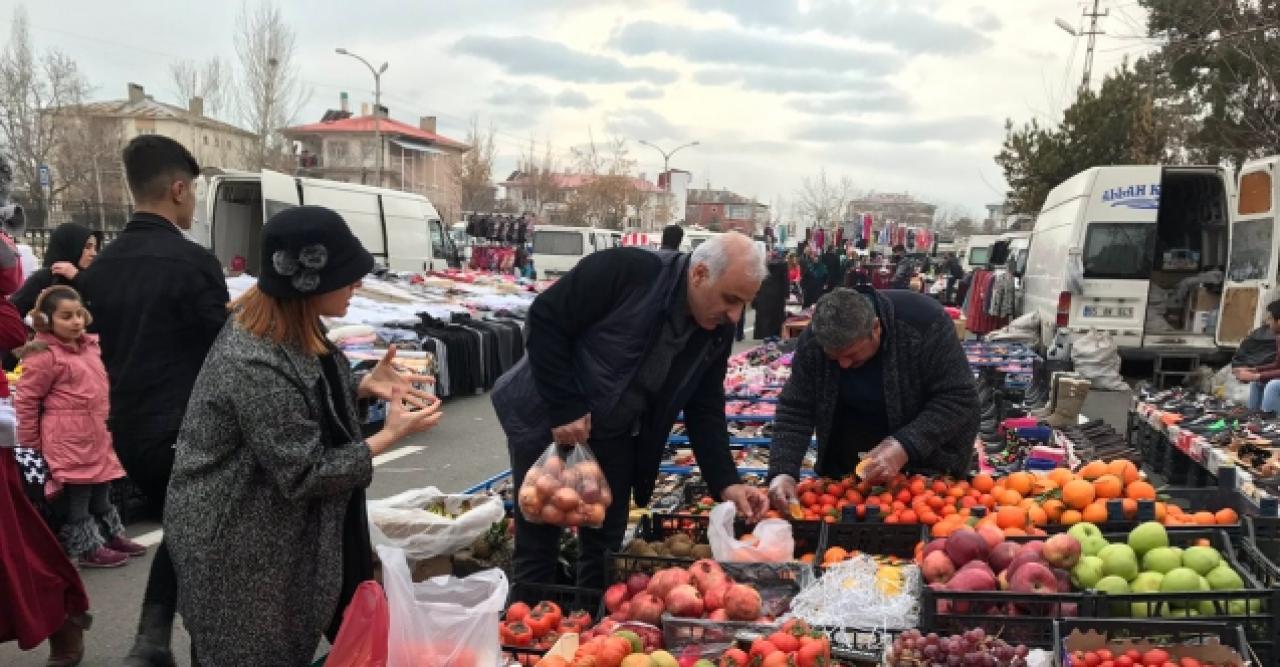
x=932, y=638
x=931, y=652
x=954, y=660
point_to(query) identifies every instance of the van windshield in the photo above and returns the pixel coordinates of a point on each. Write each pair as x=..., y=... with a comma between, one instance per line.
x=978, y=256
x=1122, y=250
x=557, y=243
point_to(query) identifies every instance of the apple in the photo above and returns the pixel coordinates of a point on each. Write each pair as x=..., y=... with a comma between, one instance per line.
x=1061, y=550
x=1064, y=579
x=1180, y=580
x=934, y=545
x=1002, y=580
x=614, y=596
x=1087, y=572
x=1147, y=582
x=1090, y=538
x=663, y=659
x=991, y=534
x=684, y=601
x=742, y=603
x=937, y=567
x=972, y=579
x=1119, y=560
x=1112, y=585
x=1022, y=559
x=979, y=565
x=1224, y=578
x=1201, y=559
x=1148, y=536
x=1002, y=555
x=1161, y=559
x=966, y=545
x=1033, y=578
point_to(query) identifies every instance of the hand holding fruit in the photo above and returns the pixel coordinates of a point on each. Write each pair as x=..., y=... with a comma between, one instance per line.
x=575, y=432
x=751, y=502
x=886, y=460
x=782, y=494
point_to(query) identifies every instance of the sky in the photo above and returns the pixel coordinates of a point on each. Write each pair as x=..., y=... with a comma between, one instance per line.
x=898, y=95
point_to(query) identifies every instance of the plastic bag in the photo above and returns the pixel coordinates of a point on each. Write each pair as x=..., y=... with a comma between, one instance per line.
x=362, y=639
x=1097, y=359
x=428, y=522
x=773, y=542
x=443, y=621
x=566, y=487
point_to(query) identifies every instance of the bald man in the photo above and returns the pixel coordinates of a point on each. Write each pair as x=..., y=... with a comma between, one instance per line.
x=616, y=350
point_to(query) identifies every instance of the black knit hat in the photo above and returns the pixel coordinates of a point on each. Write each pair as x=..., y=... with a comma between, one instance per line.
x=310, y=250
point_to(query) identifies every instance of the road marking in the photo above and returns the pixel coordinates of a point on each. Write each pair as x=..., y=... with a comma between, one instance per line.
x=152, y=538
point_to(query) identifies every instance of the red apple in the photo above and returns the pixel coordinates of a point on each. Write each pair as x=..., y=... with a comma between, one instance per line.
x=937, y=567
x=991, y=534
x=966, y=545
x=935, y=544
x=1064, y=580
x=1061, y=550
x=1022, y=559
x=1002, y=555
x=1033, y=578
x=684, y=601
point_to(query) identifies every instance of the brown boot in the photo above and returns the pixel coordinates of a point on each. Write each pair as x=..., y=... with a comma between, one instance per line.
x=66, y=646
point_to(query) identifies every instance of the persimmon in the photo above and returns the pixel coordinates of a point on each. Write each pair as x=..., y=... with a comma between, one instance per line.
x=1205, y=518
x=1070, y=517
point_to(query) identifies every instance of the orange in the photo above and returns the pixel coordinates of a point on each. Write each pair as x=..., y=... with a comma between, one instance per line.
x=807, y=558
x=1027, y=503
x=1226, y=516
x=835, y=555
x=1160, y=512
x=1140, y=490
x=1061, y=476
x=1205, y=518
x=1130, y=508
x=1071, y=517
x=1095, y=513
x=1037, y=515
x=1108, y=486
x=1053, y=509
x=983, y=482
x=1010, y=497
x=1043, y=486
x=1009, y=516
x=1093, y=470
x=908, y=516
x=1015, y=531
x=1020, y=482
x=1175, y=510
x=1124, y=469
x=1077, y=494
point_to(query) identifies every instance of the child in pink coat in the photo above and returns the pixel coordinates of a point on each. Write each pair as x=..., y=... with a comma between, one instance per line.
x=62, y=410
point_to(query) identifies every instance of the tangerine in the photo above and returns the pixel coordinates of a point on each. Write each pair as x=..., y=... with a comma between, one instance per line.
x=1095, y=513
x=1160, y=512
x=1226, y=516
x=1054, y=509
x=1037, y=515
x=807, y=559
x=1070, y=517
x=1077, y=494
x=1205, y=518
x=1140, y=490
x=1124, y=469
x=907, y=516
x=1014, y=532
x=1021, y=482
x=835, y=555
x=1061, y=476
x=1108, y=486
x=1093, y=470
x=1009, y=516
x=1130, y=508
x=983, y=482
x=1010, y=497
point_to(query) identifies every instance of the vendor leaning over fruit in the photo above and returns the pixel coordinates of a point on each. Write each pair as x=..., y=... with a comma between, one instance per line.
x=616, y=350
x=882, y=379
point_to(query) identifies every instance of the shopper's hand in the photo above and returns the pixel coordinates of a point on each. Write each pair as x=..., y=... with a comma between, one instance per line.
x=576, y=432
x=404, y=420
x=65, y=269
x=886, y=460
x=782, y=493
x=1245, y=374
x=385, y=379
x=751, y=502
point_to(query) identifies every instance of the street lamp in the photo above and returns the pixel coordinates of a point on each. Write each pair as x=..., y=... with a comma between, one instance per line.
x=1066, y=27
x=377, y=103
x=666, y=157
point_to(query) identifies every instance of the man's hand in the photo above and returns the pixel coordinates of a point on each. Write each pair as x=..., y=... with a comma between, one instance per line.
x=1246, y=374
x=782, y=493
x=576, y=432
x=886, y=460
x=65, y=269
x=751, y=502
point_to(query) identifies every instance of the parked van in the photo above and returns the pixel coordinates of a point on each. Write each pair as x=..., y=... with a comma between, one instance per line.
x=978, y=250
x=556, y=249
x=400, y=229
x=1112, y=246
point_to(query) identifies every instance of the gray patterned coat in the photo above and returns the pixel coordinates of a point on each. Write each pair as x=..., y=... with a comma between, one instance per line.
x=256, y=503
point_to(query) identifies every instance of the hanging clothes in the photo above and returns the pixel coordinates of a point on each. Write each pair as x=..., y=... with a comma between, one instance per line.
x=1003, y=296
x=977, y=305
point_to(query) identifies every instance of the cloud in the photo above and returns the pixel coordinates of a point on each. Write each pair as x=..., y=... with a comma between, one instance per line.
x=781, y=81
x=736, y=47
x=953, y=130
x=902, y=25
x=539, y=57
x=986, y=21
x=523, y=95
x=644, y=124
x=645, y=93
x=573, y=99
x=852, y=103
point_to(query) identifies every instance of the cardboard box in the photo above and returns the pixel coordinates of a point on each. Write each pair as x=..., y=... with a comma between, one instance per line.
x=1213, y=651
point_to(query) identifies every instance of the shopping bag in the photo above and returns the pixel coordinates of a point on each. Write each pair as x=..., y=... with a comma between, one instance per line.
x=770, y=542
x=362, y=639
x=566, y=487
x=443, y=621
x=428, y=522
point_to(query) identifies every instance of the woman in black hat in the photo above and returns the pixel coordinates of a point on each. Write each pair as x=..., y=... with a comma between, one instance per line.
x=265, y=516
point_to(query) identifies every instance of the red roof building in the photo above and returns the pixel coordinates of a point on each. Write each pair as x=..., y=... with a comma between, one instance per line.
x=653, y=211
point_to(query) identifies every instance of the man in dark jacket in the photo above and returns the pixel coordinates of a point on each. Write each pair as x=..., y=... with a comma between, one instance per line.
x=880, y=376
x=616, y=350
x=158, y=301
x=71, y=250
x=672, y=237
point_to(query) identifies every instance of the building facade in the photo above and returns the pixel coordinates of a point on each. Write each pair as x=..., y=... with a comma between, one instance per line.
x=722, y=210
x=901, y=208
x=614, y=201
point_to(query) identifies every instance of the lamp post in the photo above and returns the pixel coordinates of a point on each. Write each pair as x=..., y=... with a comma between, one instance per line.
x=666, y=157
x=377, y=103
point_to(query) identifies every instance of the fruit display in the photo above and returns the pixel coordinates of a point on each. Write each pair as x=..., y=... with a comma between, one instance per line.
x=541, y=625
x=566, y=487
x=982, y=560
x=974, y=648
x=678, y=545
x=703, y=590
x=1152, y=657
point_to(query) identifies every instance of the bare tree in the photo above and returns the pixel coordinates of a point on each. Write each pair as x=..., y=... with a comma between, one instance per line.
x=537, y=177
x=608, y=189
x=473, y=170
x=271, y=88
x=210, y=81
x=821, y=200
x=32, y=89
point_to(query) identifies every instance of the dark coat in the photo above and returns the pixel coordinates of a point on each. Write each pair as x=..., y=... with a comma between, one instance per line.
x=66, y=244
x=929, y=392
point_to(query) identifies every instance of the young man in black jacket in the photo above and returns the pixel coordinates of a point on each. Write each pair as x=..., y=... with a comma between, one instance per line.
x=158, y=301
x=616, y=350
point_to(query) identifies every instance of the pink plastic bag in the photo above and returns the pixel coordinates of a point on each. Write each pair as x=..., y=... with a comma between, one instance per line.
x=362, y=639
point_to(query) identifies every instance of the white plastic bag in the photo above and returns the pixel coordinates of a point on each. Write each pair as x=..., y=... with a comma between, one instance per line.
x=406, y=521
x=1097, y=359
x=443, y=621
x=773, y=540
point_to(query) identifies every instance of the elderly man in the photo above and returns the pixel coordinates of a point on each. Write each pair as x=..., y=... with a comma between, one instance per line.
x=616, y=350
x=879, y=376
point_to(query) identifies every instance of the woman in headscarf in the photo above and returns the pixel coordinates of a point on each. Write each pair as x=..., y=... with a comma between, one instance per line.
x=71, y=249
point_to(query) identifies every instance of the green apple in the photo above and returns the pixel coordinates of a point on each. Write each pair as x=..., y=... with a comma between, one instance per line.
x=663, y=659
x=1148, y=536
x=1112, y=585
x=1201, y=559
x=1090, y=538
x=1139, y=610
x=1180, y=580
x=1087, y=572
x=1119, y=560
x=1208, y=608
x=1240, y=608
x=1147, y=582
x=1204, y=585
x=1161, y=559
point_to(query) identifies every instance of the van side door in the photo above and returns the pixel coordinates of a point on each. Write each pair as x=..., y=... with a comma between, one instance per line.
x=1252, y=253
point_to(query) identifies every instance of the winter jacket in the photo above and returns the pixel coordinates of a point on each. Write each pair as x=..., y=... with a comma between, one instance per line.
x=929, y=392
x=66, y=244
x=588, y=335
x=158, y=300
x=257, y=501
x=61, y=407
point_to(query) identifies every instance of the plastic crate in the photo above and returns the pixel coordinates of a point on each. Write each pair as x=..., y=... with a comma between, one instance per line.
x=1157, y=631
x=568, y=598
x=1264, y=534
x=1016, y=617
x=1208, y=498
x=873, y=537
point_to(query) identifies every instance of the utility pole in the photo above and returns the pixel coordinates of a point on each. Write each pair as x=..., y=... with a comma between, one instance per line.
x=1092, y=33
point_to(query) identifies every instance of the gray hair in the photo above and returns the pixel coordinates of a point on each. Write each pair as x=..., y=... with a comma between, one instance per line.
x=842, y=318
x=716, y=252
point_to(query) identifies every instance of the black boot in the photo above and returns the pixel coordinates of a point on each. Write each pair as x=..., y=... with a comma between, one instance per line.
x=151, y=647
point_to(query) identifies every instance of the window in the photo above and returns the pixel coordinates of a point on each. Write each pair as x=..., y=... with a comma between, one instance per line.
x=206, y=140
x=437, y=241
x=1122, y=250
x=337, y=150
x=1255, y=193
x=557, y=243
x=1250, y=248
x=979, y=256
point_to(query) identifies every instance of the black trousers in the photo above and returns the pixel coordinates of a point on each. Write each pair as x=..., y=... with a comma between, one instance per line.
x=148, y=460
x=537, y=553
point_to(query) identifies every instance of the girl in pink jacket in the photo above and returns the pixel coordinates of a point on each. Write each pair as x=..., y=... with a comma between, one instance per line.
x=62, y=410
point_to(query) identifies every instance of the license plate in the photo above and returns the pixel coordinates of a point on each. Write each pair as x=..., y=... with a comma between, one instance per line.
x=1108, y=311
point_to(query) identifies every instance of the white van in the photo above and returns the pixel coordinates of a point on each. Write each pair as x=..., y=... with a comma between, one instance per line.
x=1112, y=241
x=978, y=249
x=557, y=249
x=400, y=229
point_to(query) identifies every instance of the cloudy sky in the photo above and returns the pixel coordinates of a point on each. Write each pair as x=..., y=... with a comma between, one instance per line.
x=899, y=95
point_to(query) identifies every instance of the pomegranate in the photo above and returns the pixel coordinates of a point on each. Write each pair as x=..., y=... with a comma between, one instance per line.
x=713, y=599
x=647, y=608
x=718, y=615
x=684, y=601
x=742, y=603
x=614, y=596
x=665, y=580
x=636, y=583
x=704, y=572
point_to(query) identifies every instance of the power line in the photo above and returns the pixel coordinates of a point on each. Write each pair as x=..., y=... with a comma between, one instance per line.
x=1092, y=33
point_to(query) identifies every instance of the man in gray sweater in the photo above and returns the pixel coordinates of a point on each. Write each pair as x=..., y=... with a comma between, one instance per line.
x=879, y=375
